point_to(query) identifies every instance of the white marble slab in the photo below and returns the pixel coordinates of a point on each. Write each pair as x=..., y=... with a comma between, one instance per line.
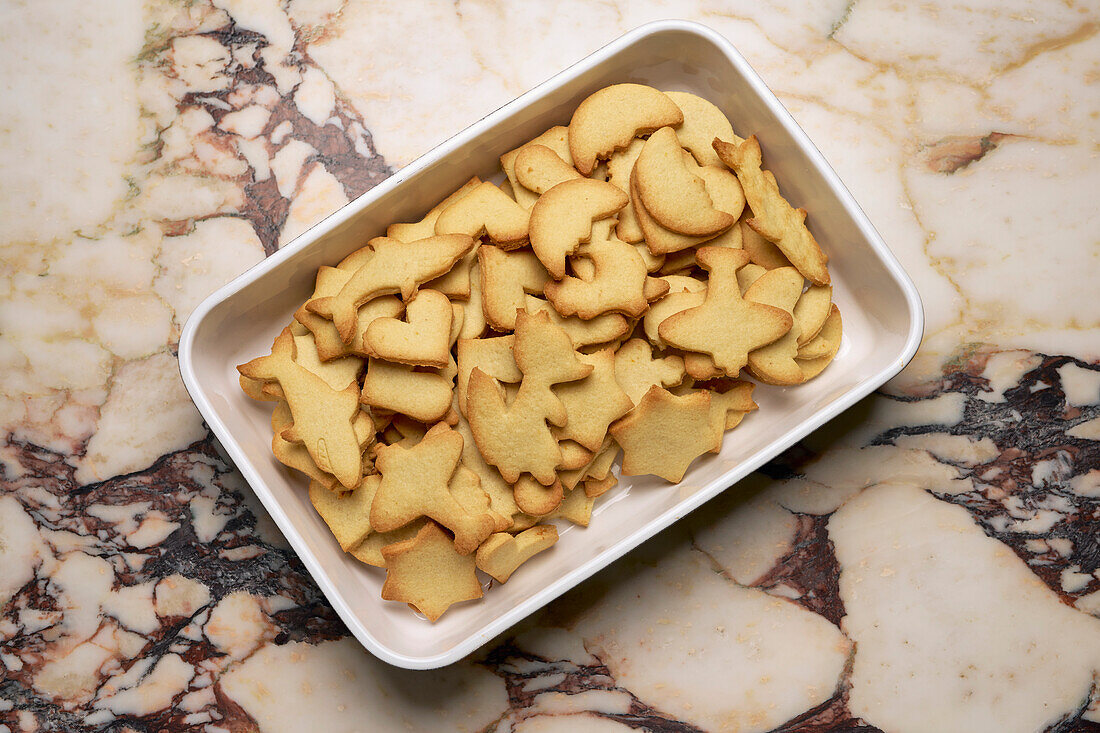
x=925, y=563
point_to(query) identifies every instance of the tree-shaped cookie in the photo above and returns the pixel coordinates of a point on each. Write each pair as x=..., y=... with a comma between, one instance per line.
x=429, y=573
x=323, y=417
x=396, y=267
x=725, y=326
x=773, y=217
x=416, y=483
x=515, y=437
x=666, y=432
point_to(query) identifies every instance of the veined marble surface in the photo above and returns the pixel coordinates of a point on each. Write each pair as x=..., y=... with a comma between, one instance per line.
x=929, y=562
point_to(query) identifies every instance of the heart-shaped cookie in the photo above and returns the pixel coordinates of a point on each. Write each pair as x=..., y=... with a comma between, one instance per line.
x=422, y=339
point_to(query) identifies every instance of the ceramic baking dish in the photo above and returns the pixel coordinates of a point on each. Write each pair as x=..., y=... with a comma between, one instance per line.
x=883, y=323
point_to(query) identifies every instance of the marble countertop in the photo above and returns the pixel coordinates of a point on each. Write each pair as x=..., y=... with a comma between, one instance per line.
x=928, y=562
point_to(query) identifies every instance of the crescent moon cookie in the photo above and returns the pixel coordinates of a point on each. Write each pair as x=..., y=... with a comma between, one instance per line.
x=562, y=219
x=557, y=139
x=461, y=389
x=674, y=196
x=609, y=119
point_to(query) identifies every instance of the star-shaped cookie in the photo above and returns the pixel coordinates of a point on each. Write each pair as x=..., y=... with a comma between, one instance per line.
x=416, y=483
x=666, y=432
x=429, y=573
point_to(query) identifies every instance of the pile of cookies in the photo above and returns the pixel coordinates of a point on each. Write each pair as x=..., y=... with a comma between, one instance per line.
x=455, y=385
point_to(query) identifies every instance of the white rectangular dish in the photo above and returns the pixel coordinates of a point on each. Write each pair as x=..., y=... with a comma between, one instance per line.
x=883, y=324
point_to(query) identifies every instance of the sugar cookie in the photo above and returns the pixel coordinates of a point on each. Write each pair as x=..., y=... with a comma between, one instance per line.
x=347, y=514
x=774, y=363
x=636, y=370
x=703, y=122
x=665, y=433
x=593, y=403
x=416, y=483
x=515, y=437
x=505, y=278
x=422, y=339
x=502, y=554
x=597, y=487
x=499, y=491
x=811, y=311
x=534, y=498
x=322, y=416
x=575, y=507
x=619, y=168
x=573, y=455
x=709, y=328
x=672, y=195
x=538, y=169
x=773, y=217
x=599, y=330
x=369, y=550
x=562, y=218
x=493, y=356
x=486, y=210
x=617, y=284
x=607, y=120
x=557, y=139
x=830, y=336
x=422, y=395
x=396, y=267
x=426, y=226
x=658, y=239
x=761, y=251
x=428, y=573
x=665, y=307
